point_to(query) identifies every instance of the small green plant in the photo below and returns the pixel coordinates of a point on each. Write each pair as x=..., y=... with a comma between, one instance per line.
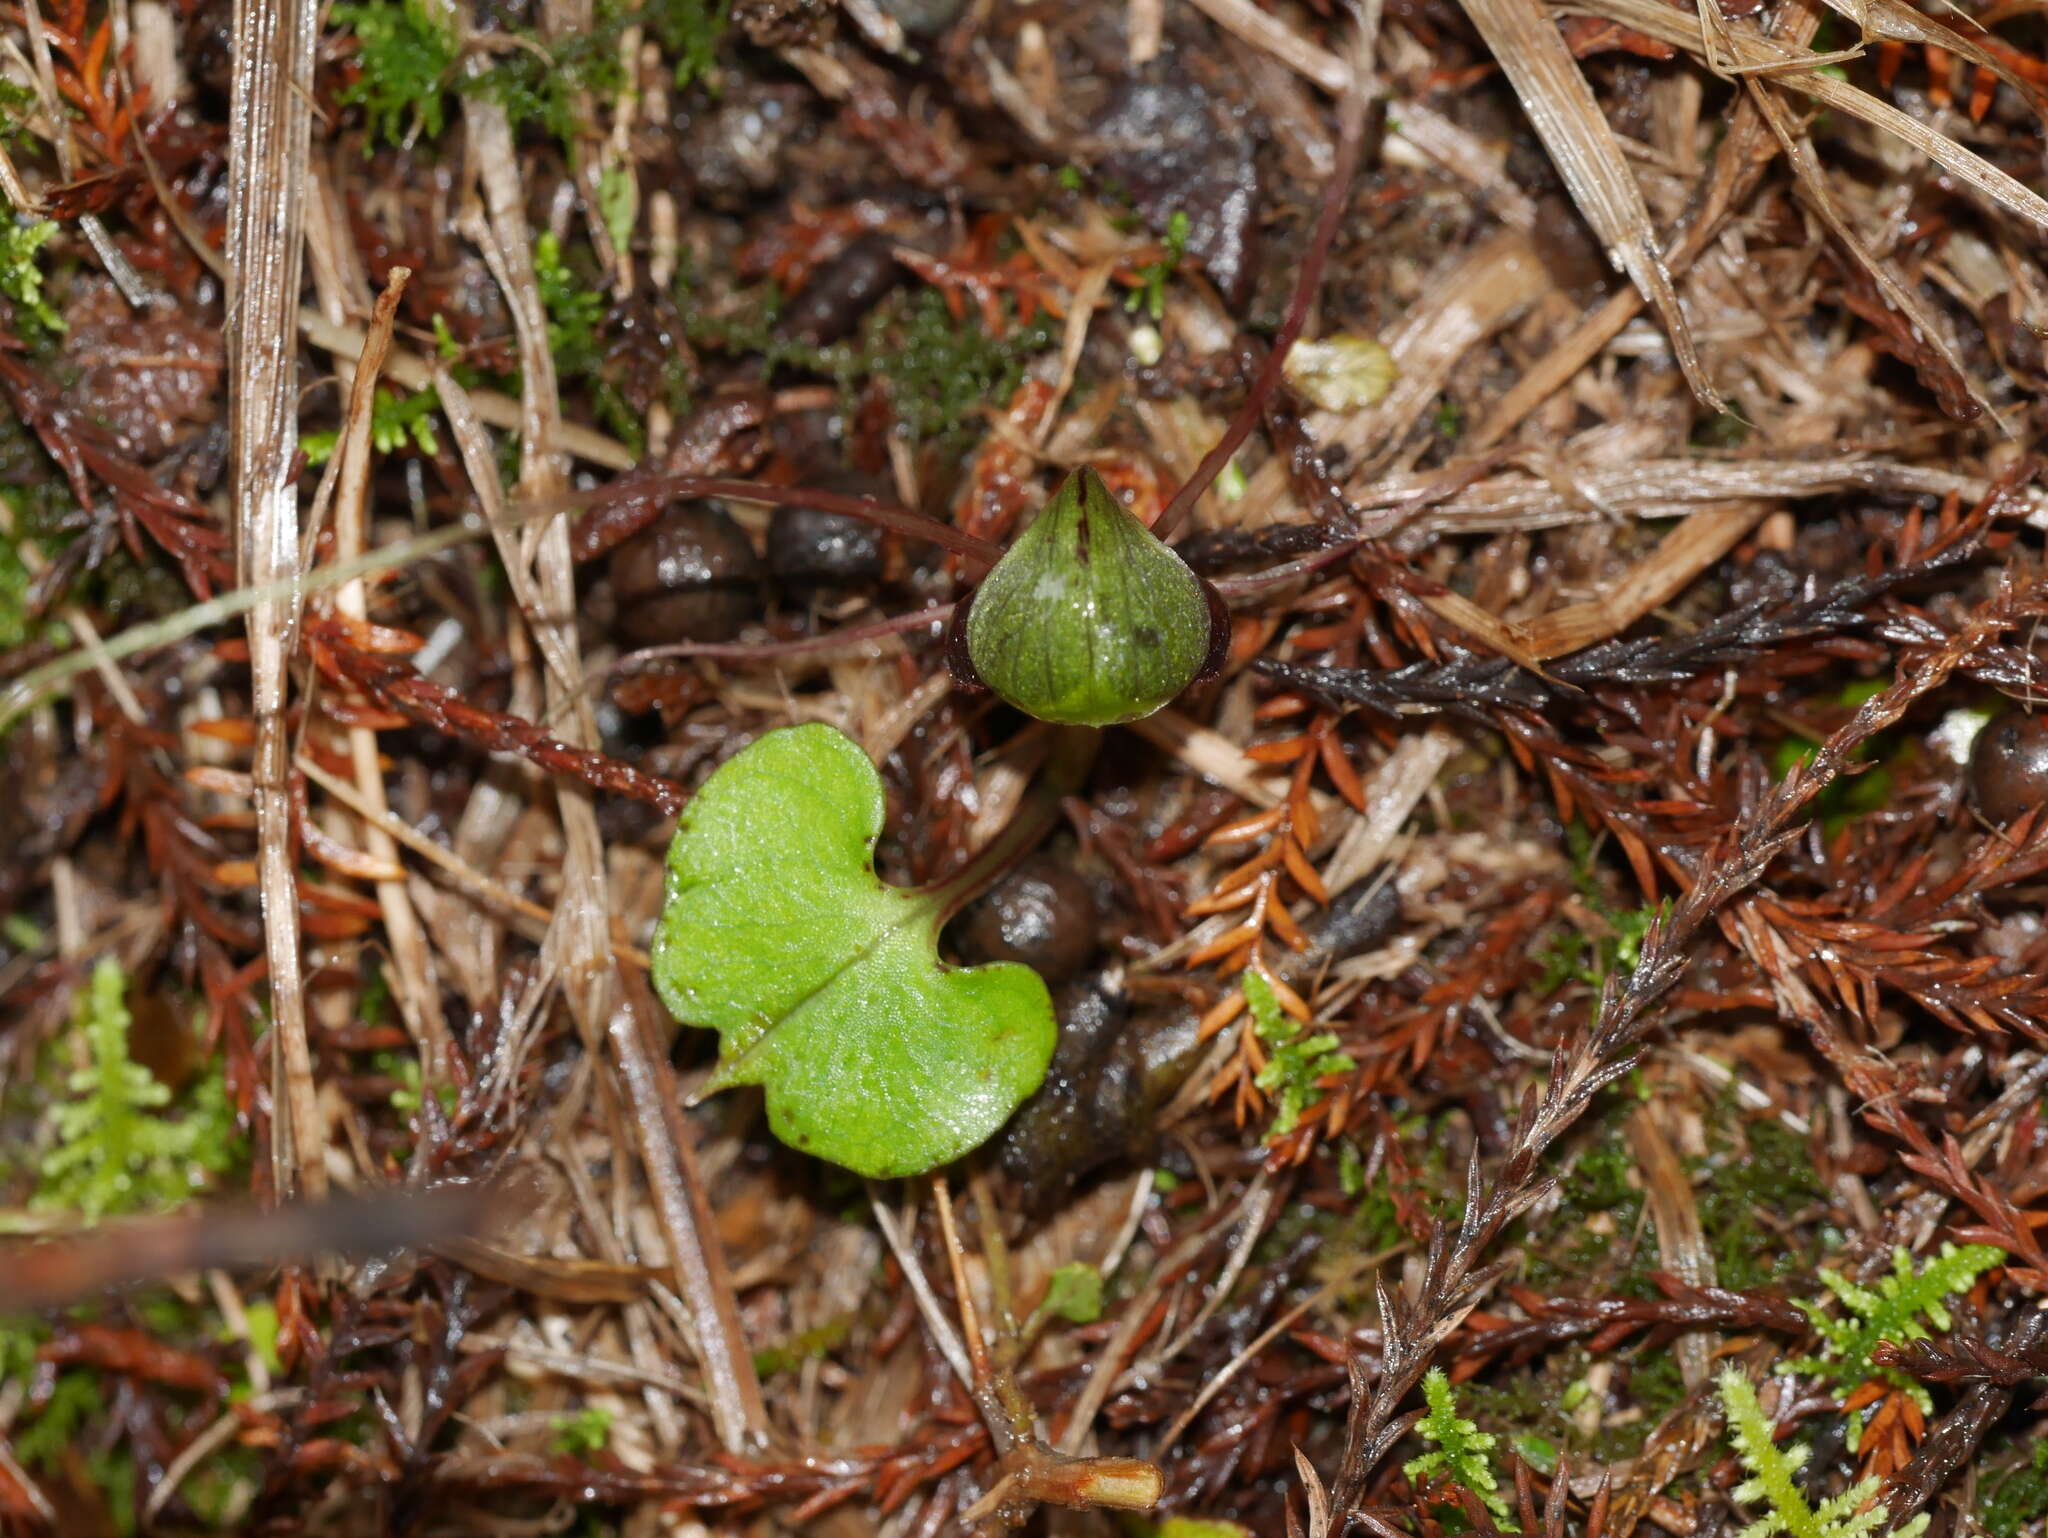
x=21, y=277
x=396, y=422
x=1852, y=1514
x=689, y=30
x=584, y=1433
x=18, y=105
x=1150, y=294
x=1088, y=619
x=1459, y=1449
x=1295, y=1061
x=822, y=981
x=1895, y=1311
x=115, y=1152
x=2019, y=1498
x=15, y=625
x=406, y=54
x=575, y=310
x=809, y=1346
x=545, y=80
x=1074, y=1294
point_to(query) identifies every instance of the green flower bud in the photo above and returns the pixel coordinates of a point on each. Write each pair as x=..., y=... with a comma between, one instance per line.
x=1088, y=619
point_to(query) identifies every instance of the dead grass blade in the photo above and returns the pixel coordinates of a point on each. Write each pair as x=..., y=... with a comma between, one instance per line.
x=415, y=986
x=1795, y=69
x=1738, y=165
x=271, y=120
x=1568, y=119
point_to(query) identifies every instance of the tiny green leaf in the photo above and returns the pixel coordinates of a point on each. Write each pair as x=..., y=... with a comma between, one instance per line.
x=1089, y=619
x=1075, y=1293
x=1459, y=1450
x=1773, y=1481
x=822, y=981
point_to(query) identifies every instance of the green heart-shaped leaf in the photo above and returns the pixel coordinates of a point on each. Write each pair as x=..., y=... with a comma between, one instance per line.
x=823, y=981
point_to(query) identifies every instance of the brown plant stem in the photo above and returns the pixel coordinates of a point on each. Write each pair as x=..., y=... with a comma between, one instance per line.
x=1336, y=195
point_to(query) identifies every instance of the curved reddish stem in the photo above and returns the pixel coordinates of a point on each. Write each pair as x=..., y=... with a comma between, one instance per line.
x=1351, y=120
x=768, y=651
x=614, y=513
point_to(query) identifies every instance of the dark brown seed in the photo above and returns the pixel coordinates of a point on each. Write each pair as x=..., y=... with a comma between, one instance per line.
x=811, y=549
x=851, y=284
x=2009, y=767
x=690, y=576
x=807, y=548
x=1040, y=914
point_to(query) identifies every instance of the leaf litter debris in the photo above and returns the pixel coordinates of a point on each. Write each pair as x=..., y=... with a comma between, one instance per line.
x=1549, y=1037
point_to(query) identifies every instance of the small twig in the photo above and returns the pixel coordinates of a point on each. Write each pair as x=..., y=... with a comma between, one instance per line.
x=942, y=1332
x=1336, y=195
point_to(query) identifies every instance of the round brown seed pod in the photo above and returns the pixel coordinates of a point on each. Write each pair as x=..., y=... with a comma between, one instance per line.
x=1041, y=914
x=691, y=575
x=2009, y=767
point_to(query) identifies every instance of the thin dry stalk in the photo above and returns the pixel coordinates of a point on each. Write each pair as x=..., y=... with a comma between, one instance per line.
x=270, y=123
x=579, y=938
x=415, y=984
x=1565, y=115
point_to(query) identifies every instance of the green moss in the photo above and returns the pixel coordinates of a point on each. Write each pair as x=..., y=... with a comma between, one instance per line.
x=809, y=1345
x=1296, y=1061
x=118, y=1147
x=540, y=83
x=689, y=32
x=15, y=625
x=1592, y=1242
x=1899, y=1308
x=1460, y=1452
x=583, y=1434
x=1768, y=1176
x=2019, y=1498
x=940, y=374
x=396, y=422
x=406, y=54
x=21, y=279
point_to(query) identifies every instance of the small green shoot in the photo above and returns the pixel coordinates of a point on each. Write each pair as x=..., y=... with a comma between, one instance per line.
x=811, y=1345
x=575, y=311
x=822, y=981
x=1150, y=294
x=1459, y=1449
x=115, y=1153
x=407, y=55
x=618, y=204
x=688, y=31
x=1895, y=1312
x=1074, y=1294
x=584, y=1433
x=1852, y=1514
x=397, y=422
x=2017, y=1499
x=21, y=278
x=1294, y=1061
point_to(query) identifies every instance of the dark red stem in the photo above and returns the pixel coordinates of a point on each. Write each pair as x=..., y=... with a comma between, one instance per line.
x=616, y=512
x=1351, y=121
